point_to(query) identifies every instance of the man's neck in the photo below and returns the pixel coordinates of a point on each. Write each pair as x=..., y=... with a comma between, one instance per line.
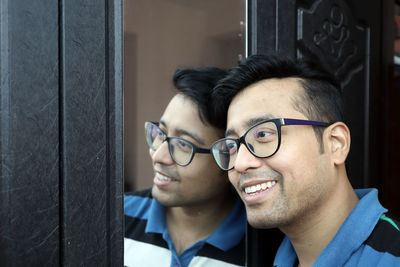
x=312, y=234
x=189, y=224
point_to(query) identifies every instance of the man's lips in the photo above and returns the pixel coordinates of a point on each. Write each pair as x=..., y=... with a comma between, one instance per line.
x=163, y=179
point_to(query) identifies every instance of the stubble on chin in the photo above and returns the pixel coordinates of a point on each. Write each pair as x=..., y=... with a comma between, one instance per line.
x=266, y=215
x=167, y=199
x=263, y=219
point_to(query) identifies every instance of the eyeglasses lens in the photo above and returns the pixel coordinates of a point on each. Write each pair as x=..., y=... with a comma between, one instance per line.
x=262, y=140
x=154, y=136
x=225, y=153
x=180, y=150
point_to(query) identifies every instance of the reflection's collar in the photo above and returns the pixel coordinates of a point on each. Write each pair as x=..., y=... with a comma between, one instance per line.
x=156, y=221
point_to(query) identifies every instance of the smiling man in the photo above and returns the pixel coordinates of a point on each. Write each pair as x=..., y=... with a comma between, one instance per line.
x=285, y=150
x=192, y=215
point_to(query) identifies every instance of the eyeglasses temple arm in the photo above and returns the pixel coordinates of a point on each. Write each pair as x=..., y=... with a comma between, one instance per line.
x=303, y=122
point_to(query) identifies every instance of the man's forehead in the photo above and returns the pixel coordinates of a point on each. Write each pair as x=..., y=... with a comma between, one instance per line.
x=266, y=99
x=181, y=118
x=178, y=112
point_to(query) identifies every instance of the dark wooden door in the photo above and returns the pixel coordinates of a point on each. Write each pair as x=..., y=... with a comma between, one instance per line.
x=351, y=38
x=61, y=133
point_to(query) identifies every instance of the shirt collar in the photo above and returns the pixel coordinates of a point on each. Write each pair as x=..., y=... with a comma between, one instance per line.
x=357, y=227
x=349, y=237
x=232, y=229
x=228, y=234
x=156, y=222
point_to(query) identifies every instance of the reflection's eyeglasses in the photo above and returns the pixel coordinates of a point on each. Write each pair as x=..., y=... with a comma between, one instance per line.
x=262, y=140
x=182, y=151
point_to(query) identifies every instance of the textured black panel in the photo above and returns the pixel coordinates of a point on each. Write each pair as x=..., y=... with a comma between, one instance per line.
x=84, y=134
x=29, y=201
x=271, y=27
x=115, y=225
x=262, y=245
x=92, y=134
x=262, y=26
x=61, y=133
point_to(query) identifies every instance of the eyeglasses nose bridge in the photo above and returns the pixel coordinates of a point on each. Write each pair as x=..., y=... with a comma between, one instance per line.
x=164, y=140
x=240, y=144
x=241, y=141
x=163, y=154
x=242, y=156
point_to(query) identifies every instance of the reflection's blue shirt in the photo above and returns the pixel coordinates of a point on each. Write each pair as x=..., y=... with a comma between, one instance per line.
x=147, y=240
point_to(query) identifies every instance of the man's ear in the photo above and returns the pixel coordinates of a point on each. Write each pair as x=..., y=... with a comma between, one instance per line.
x=337, y=137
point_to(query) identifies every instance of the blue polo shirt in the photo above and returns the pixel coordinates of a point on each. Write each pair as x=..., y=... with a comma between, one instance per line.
x=147, y=241
x=366, y=238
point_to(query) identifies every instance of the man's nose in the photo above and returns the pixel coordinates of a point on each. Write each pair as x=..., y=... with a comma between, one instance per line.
x=161, y=155
x=245, y=160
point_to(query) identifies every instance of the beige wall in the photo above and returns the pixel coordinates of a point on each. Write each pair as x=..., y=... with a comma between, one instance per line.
x=161, y=35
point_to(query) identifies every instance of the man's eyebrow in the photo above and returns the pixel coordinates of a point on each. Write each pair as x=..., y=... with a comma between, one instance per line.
x=192, y=135
x=180, y=132
x=229, y=132
x=250, y=123
x=256, y=120
x=163, y=123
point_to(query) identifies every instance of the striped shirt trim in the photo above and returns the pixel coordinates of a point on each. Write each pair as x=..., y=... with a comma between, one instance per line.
x=383, y=217
x=199, y=261
x=135, y=229
x=155, y=256
x=385, y=237
x=145, y=229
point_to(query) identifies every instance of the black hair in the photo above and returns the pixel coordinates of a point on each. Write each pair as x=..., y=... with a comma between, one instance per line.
x=321, y=101
x=197, y=84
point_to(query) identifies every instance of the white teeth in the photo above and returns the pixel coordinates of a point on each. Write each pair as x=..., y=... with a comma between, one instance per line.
x=163, y=177
x=255, y=188
x=263, y=186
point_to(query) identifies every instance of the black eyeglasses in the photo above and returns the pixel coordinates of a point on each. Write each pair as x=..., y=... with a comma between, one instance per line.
x=182, y=151
x=262, y=140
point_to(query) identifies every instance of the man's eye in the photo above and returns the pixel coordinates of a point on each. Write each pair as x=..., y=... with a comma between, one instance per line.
x=157, y=133
x=265, y=135
x=229, y=147
x=184, y=146
x=262, y=134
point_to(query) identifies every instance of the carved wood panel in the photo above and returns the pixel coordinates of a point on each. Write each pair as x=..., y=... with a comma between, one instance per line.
x=346, y=36
x=329, y=30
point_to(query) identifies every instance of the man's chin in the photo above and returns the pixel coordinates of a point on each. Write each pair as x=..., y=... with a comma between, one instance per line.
x=166, y=199
x=261, y=222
